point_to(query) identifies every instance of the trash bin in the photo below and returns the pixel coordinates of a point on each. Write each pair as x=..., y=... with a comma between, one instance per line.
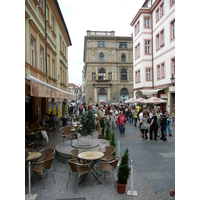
x=64, y=121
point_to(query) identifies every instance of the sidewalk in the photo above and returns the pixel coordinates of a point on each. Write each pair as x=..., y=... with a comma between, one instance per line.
x=153, y=172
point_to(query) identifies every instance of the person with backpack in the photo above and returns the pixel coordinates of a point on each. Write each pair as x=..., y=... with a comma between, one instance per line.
x=145, y=125
x=135, y=116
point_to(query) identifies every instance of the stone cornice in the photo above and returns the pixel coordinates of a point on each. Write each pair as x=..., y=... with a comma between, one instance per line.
x=108, y=38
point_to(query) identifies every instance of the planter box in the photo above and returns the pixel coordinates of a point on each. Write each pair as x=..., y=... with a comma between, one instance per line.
x=84, y=140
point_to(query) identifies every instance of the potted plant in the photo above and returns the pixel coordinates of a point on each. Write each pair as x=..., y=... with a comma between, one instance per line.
x=123, y=173
x=112, y=141
x=107, y=133
x=86, y=129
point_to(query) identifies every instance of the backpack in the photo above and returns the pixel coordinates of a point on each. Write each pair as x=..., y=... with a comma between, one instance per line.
x=130, y=114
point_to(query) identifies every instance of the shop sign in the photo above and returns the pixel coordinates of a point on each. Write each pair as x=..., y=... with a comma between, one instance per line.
x=163, y=96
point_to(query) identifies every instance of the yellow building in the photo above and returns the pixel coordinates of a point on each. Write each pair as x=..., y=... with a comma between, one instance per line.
x=46, y=59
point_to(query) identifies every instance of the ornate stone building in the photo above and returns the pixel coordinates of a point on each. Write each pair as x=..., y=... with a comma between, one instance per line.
x=108, y=67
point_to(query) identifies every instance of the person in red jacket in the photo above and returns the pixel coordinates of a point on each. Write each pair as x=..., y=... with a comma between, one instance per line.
x=121, y=123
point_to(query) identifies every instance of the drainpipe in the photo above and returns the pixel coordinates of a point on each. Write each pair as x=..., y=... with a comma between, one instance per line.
x=45, y=36
x=152, y=47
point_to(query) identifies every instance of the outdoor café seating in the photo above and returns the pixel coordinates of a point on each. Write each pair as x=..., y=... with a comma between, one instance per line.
x=109, y=166
x=43, y=168
x=66, y=134
x=109, y=150
x=78, y=170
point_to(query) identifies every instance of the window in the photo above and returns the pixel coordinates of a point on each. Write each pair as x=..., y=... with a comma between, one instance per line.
x=136, y=52
x=101, y=57
x=157, y=15
x=136, y=77
x=172, y=32
x=110, y=76
x=93, y=76
x=123, y=74
x=122, y=44
x=100, y=44
x=163, y=70
x=148, y=74
x=172, y=2
x=147, y=47
x=158, y=41
x=137, y=28
x=41, y=59
x=162, y=38
x=102, y=74
x=40, y=3
x=173, y=66
x=147, y=22
x=139, y=76
x=53, y=63
x=123, y=58
x=32, y=52
x=158, y=71
x=162, y=10
x=52, y=20
x=139, y=50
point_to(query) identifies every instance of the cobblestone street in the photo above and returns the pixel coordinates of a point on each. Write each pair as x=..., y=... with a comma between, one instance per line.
x=153, y=172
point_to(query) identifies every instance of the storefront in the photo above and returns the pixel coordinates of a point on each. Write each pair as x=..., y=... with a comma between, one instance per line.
x=44, y=98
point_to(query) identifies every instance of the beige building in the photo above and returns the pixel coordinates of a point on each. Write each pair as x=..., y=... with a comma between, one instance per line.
x=108, y=67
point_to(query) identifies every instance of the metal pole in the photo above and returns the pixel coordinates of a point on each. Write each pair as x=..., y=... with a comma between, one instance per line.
x=131, y=192
x=29, y=177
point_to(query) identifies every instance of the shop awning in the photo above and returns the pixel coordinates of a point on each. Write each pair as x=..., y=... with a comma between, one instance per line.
x=143, y=93
x=39, y=88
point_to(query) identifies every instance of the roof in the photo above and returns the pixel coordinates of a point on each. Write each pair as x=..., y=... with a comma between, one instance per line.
x=58, y=7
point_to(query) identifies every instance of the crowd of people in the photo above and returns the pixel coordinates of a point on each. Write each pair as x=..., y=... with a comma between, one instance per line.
x=148, y=119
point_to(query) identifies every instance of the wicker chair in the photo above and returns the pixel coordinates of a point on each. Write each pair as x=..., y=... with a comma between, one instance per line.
x=30, y=144
x=109, y=150
x=74, y=153
x=47, y=153
x=66, y=134
x=79, y=170
x=44, y=167
x=109, y=166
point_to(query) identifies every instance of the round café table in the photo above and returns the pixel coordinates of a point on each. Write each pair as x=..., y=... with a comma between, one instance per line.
x=93, y=157
x=31, y=156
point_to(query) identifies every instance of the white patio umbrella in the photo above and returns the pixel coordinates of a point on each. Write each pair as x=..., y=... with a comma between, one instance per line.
x=141, y=100
x=155, y=100
x=131, y=100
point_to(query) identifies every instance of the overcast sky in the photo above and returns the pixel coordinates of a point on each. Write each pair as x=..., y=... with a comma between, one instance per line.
x=104, y=15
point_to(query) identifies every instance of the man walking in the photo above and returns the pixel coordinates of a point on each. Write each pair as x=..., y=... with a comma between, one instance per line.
x=121, y=123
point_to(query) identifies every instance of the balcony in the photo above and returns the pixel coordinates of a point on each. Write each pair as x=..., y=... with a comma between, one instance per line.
x=102, y=82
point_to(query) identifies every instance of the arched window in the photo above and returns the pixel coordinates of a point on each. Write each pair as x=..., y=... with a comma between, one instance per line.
x=123, y=58
x=124, y=94
x=102, y=94
x=101, y=57
x=123, y=74
x=102, y=74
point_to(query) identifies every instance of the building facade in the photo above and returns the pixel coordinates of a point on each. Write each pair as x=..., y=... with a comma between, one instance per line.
x=154, y=50
x=108, y=67
x=46, y=59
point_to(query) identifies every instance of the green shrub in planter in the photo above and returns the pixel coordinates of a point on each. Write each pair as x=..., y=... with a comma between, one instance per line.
x=113, y=141
x=124, y=169
x=107, y=133
x=88, y=123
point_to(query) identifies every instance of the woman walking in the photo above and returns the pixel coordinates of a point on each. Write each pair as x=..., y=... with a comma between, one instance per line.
x=145, y=125
x=135, y=113
x=130, y=116
x=121, y=123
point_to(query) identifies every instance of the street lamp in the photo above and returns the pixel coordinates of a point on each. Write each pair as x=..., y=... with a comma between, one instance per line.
x=173, y=79
x=76, y=91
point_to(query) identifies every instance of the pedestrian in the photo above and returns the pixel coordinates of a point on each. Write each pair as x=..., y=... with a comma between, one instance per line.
x=153, y=127
x=121, y=123
x=135, y=116
x=163, y=126
x=168, y=123
x=130, y=115
x=145, y=125
x=140, y=115
x=158, y=119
